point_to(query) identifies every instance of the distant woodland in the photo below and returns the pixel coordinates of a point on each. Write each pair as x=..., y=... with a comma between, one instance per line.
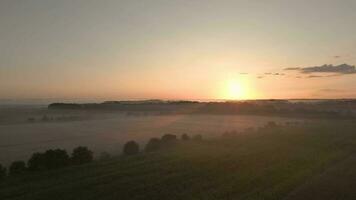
x=308, y=108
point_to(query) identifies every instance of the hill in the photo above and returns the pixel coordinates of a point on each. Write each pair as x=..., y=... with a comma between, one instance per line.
x=268, y=163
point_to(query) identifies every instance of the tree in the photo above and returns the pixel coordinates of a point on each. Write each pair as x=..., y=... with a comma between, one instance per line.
x=271, y=124
x=17, y=167
x=168, y=138
x=51, y=159
x=198, y=137
x=56, y=158
x=104, y=156
x=36, y=162
x=185, y=137
x=153, y=145
x=2, y=172
x=81, y=155
x=131, y=148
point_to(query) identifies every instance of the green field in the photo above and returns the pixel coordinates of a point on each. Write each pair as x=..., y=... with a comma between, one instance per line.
x=270, y=163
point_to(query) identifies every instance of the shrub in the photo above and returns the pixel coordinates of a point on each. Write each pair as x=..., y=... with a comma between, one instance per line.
x=17, y=167
x=81, y=155
x=198, y=137
x=153, y=145
x=2, y=172
x=131, y=148
x=185, y=137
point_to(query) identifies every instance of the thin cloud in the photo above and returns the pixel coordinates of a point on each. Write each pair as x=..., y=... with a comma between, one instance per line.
x=314, y=76
x=292, y=68
x=331, y=90
x=274, y=74
x=337, y=69
x=279, y=74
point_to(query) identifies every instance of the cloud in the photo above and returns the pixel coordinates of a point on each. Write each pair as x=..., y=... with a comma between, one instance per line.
x=314, y=76
x=292, y=68
x=338, y=69
x=279, y=74
x=331, y=90
x=274, y=74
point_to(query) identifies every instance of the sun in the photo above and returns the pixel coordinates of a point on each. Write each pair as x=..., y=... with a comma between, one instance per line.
x=235, y=90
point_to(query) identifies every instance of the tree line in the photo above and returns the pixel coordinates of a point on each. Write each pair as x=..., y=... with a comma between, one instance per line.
x=59, y=158
x=50, y=159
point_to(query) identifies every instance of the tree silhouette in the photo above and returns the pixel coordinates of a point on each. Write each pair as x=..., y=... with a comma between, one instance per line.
x=51, y=159
x=168, y=138
x=36, y=162
x=198, y=137
x=56, y=158
x=131, y=148
x=2, y=172
x=17, y=167
x=104, y=156
x=271, y=124
x=81, y=155
x=185, y=137
x=153, y=145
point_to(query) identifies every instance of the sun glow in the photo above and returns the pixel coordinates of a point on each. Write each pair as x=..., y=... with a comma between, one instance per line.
x=236, y=90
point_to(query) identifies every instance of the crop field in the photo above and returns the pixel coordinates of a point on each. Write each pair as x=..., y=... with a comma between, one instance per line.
x=108, y=131
x=283, y=162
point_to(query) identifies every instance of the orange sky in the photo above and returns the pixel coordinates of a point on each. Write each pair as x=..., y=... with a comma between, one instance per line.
x=200, y=49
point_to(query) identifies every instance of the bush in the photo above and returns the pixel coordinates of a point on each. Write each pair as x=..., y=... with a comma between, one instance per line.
x=185, y=137
x=198, y=137
x=2, y=172
x=51, y=159
x=81, y=155
x=17, y=167
x=153, y=145
x=131, y=148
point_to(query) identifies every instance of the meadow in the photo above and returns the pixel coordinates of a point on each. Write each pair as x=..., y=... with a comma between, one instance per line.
x=299, y=161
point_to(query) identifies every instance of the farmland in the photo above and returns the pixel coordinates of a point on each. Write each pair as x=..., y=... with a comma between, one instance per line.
x=268, y=163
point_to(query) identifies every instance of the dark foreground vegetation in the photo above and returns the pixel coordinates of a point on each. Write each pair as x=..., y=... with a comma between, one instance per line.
x=272, y=162
x=59, y=158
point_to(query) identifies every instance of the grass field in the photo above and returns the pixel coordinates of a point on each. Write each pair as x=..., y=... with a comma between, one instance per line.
x=271, y=163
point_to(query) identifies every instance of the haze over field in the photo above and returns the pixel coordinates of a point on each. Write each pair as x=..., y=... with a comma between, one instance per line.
x=108, y=132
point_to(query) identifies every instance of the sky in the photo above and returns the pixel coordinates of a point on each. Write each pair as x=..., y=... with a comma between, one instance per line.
x=177, y=49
